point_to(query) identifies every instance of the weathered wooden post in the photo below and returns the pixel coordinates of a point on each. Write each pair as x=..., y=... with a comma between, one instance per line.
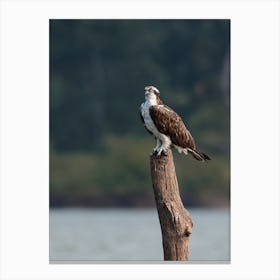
x=175, y=221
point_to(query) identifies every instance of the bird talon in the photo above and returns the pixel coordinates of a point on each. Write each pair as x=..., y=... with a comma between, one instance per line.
x=154, y=153
x=161, y=152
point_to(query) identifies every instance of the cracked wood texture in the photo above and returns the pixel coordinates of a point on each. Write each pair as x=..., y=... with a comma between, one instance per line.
x=175, y=221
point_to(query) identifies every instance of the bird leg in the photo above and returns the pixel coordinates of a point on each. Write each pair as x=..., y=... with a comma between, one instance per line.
x=157, y=146
x=161, y=152
x=161, y=149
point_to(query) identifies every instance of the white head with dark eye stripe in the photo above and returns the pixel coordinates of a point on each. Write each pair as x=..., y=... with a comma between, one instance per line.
x=152, y=94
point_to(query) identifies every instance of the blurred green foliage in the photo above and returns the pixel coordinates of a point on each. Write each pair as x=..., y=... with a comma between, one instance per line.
x=98, y=71
x=122, y=172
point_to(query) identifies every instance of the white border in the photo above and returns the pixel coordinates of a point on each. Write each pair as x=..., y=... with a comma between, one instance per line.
x=254, y=129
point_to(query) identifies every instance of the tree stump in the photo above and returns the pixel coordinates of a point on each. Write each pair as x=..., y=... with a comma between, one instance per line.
x=175, y=221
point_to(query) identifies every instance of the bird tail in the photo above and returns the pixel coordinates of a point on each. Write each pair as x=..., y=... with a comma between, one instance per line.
x=198, y=155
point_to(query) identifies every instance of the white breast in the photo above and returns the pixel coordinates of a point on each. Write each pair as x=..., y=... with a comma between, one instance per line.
x=145, y=110
x=163, y=141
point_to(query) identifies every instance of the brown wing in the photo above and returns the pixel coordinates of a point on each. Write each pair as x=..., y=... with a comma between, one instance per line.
x=169, y=123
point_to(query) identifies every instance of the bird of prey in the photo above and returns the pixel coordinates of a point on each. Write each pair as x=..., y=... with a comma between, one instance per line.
x=167, y=126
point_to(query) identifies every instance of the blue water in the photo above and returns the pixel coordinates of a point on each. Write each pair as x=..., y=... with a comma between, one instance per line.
x=132, y=235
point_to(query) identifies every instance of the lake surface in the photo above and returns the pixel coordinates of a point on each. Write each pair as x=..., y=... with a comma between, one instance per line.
x=132, y=235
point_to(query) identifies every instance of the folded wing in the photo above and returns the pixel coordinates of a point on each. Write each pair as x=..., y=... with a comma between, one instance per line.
x=169, y=123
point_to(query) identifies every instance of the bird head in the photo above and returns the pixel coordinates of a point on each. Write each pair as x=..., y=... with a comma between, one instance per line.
x=151, y=93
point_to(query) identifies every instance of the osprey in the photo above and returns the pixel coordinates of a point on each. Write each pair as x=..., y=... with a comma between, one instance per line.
x=167, y=127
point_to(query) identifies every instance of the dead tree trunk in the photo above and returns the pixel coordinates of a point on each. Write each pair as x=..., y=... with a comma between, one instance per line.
x=175, y=221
